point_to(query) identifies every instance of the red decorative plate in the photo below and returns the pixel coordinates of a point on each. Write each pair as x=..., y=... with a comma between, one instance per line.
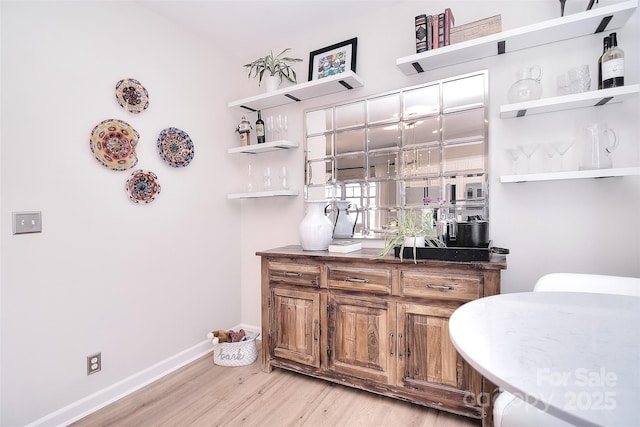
x=143, y=186
x=113, y=142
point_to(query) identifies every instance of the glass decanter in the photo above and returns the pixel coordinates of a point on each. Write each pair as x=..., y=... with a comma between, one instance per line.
x=527, y=86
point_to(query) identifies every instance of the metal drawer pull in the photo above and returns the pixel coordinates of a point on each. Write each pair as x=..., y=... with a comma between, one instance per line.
x=286, y=273
x=391, y=343
x=441, y=287
x=355, y=279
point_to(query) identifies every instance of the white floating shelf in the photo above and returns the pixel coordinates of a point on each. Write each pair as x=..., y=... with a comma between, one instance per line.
x=255, y=194
x=563, y=28
x=261, y=148
x=568, y=102
x=582, y=174
x=300, y=92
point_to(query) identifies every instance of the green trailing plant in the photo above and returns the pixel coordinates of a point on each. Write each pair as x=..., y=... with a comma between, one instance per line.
x=413, y=225
x=278, y=65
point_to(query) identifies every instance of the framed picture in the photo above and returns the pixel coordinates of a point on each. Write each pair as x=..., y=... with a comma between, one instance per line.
x=332, y=60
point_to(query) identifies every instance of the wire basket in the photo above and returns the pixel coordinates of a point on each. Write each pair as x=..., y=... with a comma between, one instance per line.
x=239, y=353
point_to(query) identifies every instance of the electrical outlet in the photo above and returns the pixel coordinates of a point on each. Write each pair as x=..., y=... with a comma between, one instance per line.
x=27, y=222
x=94, y=363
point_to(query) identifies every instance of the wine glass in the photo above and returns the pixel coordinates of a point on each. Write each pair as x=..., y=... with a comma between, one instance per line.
x=266, y=183
x=278, y=127
x=284, y=128
x=283, y=178
x=528, y=150
x=561, y=148
x=250, y=179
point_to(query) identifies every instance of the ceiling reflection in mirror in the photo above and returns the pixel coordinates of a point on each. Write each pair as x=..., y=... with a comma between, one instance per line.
x=422, y=147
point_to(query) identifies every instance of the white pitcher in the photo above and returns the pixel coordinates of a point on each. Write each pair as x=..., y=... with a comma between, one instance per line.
x=315, y=229
x=344, y=224
x=598, y=143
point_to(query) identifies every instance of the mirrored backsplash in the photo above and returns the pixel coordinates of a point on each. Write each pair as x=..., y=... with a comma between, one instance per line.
x=422, y=147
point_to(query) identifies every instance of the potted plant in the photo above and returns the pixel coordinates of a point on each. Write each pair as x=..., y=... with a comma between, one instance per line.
x=275, y=66
x=412, y=230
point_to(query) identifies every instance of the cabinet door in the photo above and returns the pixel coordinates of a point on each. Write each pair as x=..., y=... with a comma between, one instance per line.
x=427, y=359
x=362, y=337
x=295, y=326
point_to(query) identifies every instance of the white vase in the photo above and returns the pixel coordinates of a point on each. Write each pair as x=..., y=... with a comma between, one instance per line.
x=316, y=230
x=271, y=82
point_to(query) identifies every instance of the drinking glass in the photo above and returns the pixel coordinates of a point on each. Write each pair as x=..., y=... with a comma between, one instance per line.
x=283, y=178
x=284, y=130
x=250, y=179
x=266, y=183
x=550, y=152
x=561, y=148
x=268, y=129
x=515, y=154
x=528, y=150
x=580, y=79
x=564, y=85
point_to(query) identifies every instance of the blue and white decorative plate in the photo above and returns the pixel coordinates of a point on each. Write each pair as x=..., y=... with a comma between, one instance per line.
x=132, y=96
x=175, y=147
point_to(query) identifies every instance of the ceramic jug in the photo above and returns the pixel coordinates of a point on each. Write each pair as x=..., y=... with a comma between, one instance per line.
x=344, y=225
x=598, y=141
x=315, y=231
x=527, y=86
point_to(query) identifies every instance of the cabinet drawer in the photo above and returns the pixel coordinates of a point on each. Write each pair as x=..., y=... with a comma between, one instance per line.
x=294, y=274
x=359, y=279
x=443, y=286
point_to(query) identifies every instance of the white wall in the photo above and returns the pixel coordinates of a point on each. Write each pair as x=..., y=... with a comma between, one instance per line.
x=579, y=226
x=140, y=283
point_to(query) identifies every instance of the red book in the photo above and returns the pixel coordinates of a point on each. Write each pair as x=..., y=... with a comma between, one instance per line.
x=449, y=21
x=435, y=31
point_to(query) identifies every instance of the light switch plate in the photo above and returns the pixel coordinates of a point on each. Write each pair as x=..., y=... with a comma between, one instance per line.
x=27, y=222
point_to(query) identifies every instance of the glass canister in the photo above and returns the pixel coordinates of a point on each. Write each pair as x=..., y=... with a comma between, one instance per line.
x=527, y=86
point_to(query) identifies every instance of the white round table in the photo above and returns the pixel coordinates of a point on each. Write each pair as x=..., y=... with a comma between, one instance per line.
x=574, y=355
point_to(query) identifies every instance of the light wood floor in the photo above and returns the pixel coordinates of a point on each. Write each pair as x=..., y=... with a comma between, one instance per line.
x=204, y=394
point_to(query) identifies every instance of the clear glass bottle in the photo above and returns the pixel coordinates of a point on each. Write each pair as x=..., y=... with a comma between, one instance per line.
x=613, y=64
x=605, y=47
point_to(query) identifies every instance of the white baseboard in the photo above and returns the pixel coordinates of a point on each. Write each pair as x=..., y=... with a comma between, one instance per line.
x=87, y=405
x=102, y=398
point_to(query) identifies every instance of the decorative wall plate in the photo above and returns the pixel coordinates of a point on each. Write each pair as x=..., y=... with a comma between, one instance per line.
x=113, y=142
x=143, y=186
x=132, y=96
x=175, y=147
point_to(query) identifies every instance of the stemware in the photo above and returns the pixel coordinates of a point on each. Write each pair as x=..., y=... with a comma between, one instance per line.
x=284, y=130
x=528, y=150
x=561, y=148
x=266, y=183
x=550, y=151
x=250, y=179
x=283, y=178
x=515, y=154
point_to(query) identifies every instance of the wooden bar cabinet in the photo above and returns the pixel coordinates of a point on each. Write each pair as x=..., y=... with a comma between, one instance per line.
x=376, y=323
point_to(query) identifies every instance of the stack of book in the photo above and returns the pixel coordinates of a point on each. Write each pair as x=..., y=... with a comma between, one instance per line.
x=433, y=31
x=345, y=246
